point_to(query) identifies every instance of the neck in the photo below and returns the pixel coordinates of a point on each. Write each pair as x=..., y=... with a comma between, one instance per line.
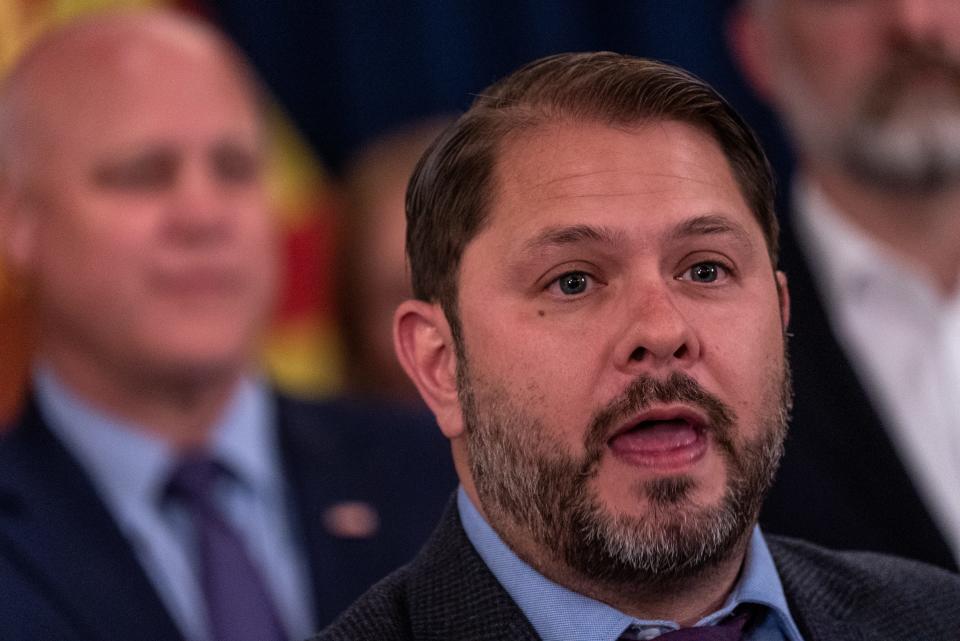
x=921, y=227
x=180, y=409
x=684, y=600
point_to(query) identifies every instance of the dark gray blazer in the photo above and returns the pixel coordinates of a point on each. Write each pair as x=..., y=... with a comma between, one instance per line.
x=448, y=594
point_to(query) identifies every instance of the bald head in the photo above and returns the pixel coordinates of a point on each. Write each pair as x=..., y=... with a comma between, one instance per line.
x=134, y=201
x=869, y=90
x=70, y=77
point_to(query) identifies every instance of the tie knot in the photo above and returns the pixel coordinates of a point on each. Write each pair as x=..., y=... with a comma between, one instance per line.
x=730, y=629
x=194, y=477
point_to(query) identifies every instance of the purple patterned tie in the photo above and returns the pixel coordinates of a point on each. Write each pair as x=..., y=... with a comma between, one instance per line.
x=730, y=629
x=238, y=605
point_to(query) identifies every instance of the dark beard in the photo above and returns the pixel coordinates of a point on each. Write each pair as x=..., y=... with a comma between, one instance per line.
x=526, y=487
x=935, y=165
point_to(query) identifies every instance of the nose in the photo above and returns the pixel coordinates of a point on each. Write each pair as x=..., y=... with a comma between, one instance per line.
x=658, y=335
x=198, y=211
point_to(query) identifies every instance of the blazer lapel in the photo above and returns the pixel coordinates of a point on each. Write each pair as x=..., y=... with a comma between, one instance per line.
x=454, y=596
x=821, y=609
x=321, y=469
x=52, y=520
x=817, y=629
x=310, y=454
x=360, y=456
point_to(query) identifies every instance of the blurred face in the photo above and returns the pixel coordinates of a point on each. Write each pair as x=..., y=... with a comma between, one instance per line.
x=873, y=85
x=622, y=374
x=150, y=243
x=385, y=284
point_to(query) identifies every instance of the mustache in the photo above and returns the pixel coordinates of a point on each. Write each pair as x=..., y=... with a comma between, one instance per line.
x=893, y=83
x=645, y=391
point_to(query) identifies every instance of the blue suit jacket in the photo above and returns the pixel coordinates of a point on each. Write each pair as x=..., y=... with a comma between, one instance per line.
x=67, y=572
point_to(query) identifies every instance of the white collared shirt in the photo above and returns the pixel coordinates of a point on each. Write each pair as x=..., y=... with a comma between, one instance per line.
x=903, y=339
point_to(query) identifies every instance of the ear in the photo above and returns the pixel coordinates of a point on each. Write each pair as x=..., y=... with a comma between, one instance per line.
x=424, y=345
x=783, y=292
x=749, y=41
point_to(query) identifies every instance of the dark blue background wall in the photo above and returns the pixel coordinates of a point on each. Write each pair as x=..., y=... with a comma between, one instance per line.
x=349, y=70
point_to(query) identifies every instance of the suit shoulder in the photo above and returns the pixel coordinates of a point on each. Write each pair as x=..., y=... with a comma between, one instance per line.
x=802, y=557
x=381, y=613
x=26, y=610
x=873, y=587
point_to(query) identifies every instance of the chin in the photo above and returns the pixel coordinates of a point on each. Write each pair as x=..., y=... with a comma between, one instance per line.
x=196, y=366
x=632, y=492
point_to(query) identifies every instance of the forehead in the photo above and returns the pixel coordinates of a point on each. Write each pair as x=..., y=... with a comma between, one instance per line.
x=641, y=179
x=123, y=91
x=813, y=15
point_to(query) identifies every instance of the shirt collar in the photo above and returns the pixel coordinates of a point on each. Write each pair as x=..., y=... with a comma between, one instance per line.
x=244, y=440
x=557, y=613
x=130, y=467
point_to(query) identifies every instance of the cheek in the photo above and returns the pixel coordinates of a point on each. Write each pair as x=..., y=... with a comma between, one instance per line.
x=550, y=375
x=833, y=52
x=253, y=243
x=525, y=346
x=90, y=281
x=92, y=250
x=760, y=381
x=743, y=352
x=258, y=235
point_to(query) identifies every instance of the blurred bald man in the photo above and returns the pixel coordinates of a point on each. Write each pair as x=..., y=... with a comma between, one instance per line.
x=155, y=486
x=869, y=92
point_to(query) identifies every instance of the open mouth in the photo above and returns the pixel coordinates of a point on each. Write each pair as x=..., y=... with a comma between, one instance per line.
x=662, y=438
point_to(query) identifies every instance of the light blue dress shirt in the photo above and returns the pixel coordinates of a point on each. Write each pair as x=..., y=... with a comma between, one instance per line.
x=130, y=469
x=559, y=614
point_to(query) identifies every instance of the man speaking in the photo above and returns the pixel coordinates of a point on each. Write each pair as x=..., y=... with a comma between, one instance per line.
x=599, y=328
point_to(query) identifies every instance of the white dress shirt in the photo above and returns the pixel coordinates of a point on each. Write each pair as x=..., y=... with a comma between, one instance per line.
x=903, y=339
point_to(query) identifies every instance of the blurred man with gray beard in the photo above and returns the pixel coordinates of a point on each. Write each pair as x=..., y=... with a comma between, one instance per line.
x=869, y=92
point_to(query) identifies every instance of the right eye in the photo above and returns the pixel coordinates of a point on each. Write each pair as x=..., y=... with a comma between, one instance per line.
x=151, y=172
x=572, y=283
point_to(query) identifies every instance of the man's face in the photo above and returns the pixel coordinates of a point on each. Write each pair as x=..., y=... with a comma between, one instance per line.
x=622, y=374
x=152, y=249
x=870, y=84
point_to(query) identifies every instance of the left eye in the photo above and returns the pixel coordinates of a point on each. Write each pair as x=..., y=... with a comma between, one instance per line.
x=704, y=272
x=573, y=283
x=235, y=165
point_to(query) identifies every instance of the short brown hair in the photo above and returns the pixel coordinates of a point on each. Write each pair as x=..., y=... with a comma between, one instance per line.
x=450, y=192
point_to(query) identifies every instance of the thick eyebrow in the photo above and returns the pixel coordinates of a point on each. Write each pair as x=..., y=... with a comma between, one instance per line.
x=570, y=235
x=709, y=225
